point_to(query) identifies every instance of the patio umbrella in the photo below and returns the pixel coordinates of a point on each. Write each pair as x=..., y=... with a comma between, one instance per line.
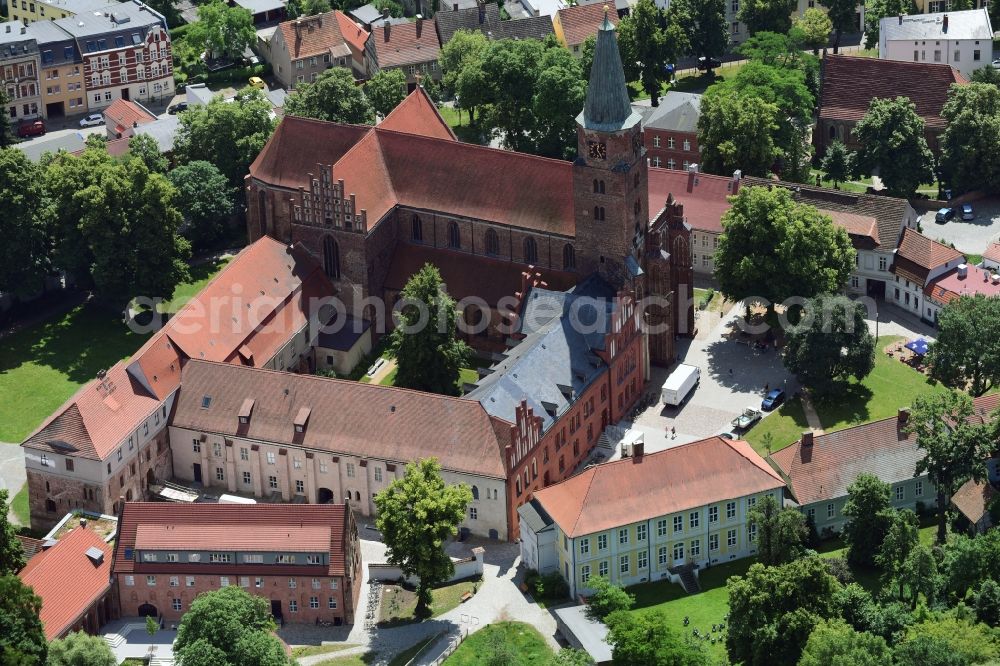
x=918, y=346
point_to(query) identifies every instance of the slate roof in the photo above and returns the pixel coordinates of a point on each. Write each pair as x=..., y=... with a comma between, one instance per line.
x=347, y=418
x=366, y=13
x=850, y=83
x=704, y=197
x=582, y=21
x=227, y=527
x=343, y=336
x=67, y=580
x=163, y=130
x=314, y=36
x=890, y=213
x=824, y=470
x=121, y=17
x=530, y=27
x=534, y=516
x=656, y=484
x=968, y=24
x=555, y=363
x=677, y=112
x=405, y=43
x=918, y=255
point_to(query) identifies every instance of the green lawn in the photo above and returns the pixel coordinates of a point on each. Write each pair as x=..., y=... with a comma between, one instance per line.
x=200, y=275
x=704, y=609
x=389, y=379
x=399, y=603
x=400, y=659
x=465, y=376
x=784, y=426
x=310, y=650
x=459, y=123
x=43, y=365
x=870, y=579
x=524, y=642
x=19, y=505
x=860, y=185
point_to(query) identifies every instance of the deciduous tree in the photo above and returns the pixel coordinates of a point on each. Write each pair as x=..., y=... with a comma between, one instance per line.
x=607, y=598
x=464, y=48
x=988, y=603
x=813, y=29
x=842, y=16
x=11, y=554
x=222, y=31
x=956, y=447
x=510, y=71
x=736, y=131
x=386, y=90
x=972, y=643
x=24, y=224
x=704, y=22
x=835, y=643
x=428, y=355
x=204, y=199
x=6, y=131
x=774, y=248
x=830, y=345
x=80, y=649
x=229, y=625
x=901, y=538
x=22, y=639
x=869, y=514
x=781, y=533
x=416, y=515
x=925, y=650
x=647, y=640
x=893, y=147
x=773, y=610
x=876, y=10
x=766, y=15
x=962, y=356
x=559, y=95
x=837, y=163
x=970, y=145
x=649, y=39
x=229, y=135
x=986, y=74
x=332, y=96
x=144, y=148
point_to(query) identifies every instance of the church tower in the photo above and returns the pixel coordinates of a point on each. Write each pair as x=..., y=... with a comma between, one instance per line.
x=609, y=174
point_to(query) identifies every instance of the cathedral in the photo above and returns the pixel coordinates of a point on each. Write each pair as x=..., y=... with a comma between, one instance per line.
x=374, y=204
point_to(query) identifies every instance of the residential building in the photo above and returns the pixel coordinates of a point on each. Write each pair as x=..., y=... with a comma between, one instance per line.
x=819, y=468
x=936, y=6
x=356, y=37
x=126, y=53
x=19, y=69
x=304, y=558
x=365, y=15
x=963, y=280
x=976, y=500
x=919, y=262
x=410, y=47
x=849, y=84
x=32, y=11
x=484, y=17
x=875, y=224
x=262, y=11
x=61, y=79
x=73, y=579
x=304, y=48
x=123, y=117
x=705, y=200
x=653, y=516
x=991, y=257
x=961, y=39
x=737, y=30
x=573, y=25
x=538, y=537
x=670, y=130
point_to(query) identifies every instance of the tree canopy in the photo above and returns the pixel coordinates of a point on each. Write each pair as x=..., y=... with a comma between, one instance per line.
x=867, y=509
x=704, y=23
x=649, y=39
x=646, y=640
x=26, y=253
x=386, y=90
x=6, y=131
x=781, y=532
x=841, y=13
x=736, y=131
x=229, y=627
x=837, y=163
x=876, y=10
x=962, y=356
x=835, y=643
x=81, y=649
x=205, y=200
x=428, y=355
x=222, y=31
x=11, y=554
x=22, y=639
x=812, y=29
x=607, y=598
x=970, y=144
x=893, y=147
x=332, y=96
x=766, y=15
x=773, y=247
x=831, y=344
x=145, y=148
x=416, y=515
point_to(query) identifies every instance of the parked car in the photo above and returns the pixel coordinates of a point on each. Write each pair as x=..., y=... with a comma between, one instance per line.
x=967, y=213
x=177, y=108
x=746, y=420
x=773, y=400
x=31, y=128
x=944, y=215
x=705, y=64
x=996, y=64
x=257, y=82
x=93, y=120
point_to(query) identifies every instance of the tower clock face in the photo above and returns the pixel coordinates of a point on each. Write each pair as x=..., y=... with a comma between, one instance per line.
x=598, y=150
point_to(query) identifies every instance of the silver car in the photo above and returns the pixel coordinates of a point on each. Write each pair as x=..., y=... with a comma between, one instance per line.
x=93, y=120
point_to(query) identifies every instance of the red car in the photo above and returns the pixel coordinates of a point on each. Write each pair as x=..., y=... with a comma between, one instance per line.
x=31, y=128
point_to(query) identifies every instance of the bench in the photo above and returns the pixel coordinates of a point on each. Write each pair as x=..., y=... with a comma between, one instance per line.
x=466, y=597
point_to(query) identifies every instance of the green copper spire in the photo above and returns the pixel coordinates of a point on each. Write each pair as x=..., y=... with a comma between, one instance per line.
x=607, y=107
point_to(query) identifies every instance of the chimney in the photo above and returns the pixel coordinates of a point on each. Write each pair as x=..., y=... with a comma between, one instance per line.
x=944, y=23
x=420, y=24
x=963, y=271
x=902, y=417
x=24, y=29
x=83, y=522
x=900, y=19
x=735, y=187
x=807, y=439
x=454, y=7
x=692, y=177
x=385, y=13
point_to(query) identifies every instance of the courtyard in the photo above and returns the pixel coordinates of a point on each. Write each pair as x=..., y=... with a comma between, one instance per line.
x=972, y=236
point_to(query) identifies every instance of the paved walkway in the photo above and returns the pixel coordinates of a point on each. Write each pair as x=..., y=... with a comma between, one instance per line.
x=812, y=418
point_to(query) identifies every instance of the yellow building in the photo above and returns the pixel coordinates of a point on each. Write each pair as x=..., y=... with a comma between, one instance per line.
x=649, y=517
x=29, y=11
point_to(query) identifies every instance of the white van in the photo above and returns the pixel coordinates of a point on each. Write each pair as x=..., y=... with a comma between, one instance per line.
x=680, y=383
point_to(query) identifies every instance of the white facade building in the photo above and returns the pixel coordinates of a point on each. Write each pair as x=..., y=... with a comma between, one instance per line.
x=962, y=39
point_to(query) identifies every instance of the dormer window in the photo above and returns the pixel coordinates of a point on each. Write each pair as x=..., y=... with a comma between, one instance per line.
x=245, y=410
x=302, y=419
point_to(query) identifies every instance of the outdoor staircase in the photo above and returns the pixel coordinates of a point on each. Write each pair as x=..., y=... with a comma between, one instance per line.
x=116, y=639
x=688, y=576
x=611, y=437
x=161, y=661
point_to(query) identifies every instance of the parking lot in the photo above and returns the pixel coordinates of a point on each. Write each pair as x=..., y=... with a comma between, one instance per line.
x=968, y=236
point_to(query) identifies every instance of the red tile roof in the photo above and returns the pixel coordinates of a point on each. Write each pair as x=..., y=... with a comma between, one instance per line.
x=582, y=21
x=704, y=196
x=355, y=35
x=29, y=546
x=313, y=36
x=297, y=148
x=405, y=43
x=67, y=580
x=347, y=418
x=417, y=115
x=948, y=287
x=918, y=255
x=228, y=527
x=466, y=274
x=973, y=499
x=992, y=253
x=634, y=489
x=850, y=83
x=857, y=226
x=123, y=115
